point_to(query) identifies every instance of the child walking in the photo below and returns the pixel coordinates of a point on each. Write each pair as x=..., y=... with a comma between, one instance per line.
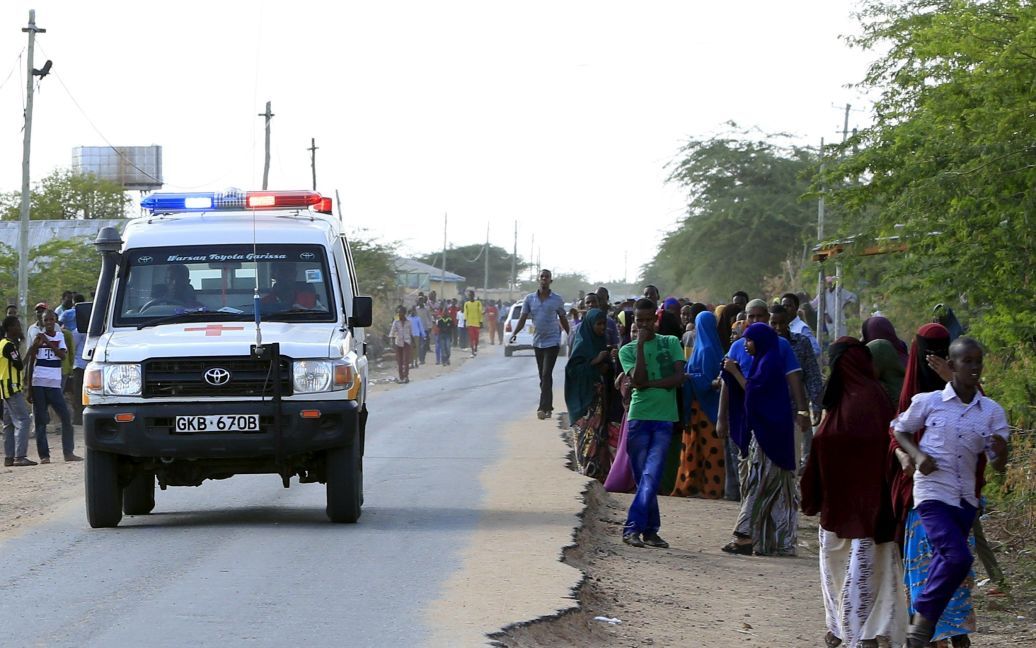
x=944, y=432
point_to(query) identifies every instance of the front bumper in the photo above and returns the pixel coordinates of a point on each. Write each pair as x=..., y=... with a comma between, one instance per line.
x=151, y=432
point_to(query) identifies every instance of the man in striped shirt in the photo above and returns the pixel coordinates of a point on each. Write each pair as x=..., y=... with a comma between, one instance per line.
x=46, y=351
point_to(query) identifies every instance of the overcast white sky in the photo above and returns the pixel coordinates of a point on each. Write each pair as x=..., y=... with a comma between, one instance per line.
x=560, y=115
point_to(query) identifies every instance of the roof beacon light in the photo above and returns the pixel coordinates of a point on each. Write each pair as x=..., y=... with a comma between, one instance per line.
x=230, y=200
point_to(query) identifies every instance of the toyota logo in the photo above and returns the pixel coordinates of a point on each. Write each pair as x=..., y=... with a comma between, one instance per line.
x=217, y=376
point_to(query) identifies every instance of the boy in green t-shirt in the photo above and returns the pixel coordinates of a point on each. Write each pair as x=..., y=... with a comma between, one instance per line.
x=655, y=365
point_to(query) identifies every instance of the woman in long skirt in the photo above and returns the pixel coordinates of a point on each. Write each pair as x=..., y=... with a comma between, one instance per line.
x=701, y=470
x=593, y=405
x=768, y=521
x=844, y=482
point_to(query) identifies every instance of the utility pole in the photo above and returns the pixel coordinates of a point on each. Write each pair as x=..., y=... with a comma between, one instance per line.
x=845, y=125
x=532, y=258
x=313, y=159
x=514, y=264
x=442, y=284
x=485, y=275
x=266, y=166
x=23, y=228
x=821, y=279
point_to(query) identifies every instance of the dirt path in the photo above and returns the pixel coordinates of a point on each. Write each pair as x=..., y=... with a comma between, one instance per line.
x=695, y=595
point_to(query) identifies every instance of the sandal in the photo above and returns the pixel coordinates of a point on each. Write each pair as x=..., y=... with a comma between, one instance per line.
x=738, y=548
x=830, y=640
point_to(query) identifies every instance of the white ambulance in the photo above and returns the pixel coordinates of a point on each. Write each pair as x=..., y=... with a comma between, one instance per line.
x=226, y=337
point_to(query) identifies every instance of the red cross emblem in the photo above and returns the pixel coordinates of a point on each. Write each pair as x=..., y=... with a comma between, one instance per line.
x=214, y=330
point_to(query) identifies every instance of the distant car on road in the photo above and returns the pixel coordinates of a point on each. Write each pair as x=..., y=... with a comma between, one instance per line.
x=524, y=340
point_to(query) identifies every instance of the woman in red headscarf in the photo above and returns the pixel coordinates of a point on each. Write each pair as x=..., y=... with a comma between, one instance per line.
x=844, y=482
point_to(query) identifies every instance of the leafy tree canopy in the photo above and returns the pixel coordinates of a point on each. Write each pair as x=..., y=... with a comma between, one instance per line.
x=949, y=164
x=54, y=267
x=468, y=261
x=745, y=215
x=67, y=195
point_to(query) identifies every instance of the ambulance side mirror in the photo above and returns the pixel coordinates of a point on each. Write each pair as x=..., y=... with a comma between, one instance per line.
x=363, y=312
x=83, y=310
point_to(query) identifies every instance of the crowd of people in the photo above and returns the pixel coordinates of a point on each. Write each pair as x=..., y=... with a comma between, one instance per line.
x=40, y=370
x=671, y=397
x=440, y=326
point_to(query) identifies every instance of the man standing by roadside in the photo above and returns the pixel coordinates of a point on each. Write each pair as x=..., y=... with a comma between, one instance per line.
x=790, y=302
x=836, y=299
x=66, y=303
x=424, y=313
x=16, y=410
x=611, y=328
x=547, y=310
x=78, y=364
x=46, y=351
x=656, y=367
x=492, y=320
x=473, y=320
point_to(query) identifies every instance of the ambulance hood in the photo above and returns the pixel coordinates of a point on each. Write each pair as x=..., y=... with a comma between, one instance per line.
x=206, y=339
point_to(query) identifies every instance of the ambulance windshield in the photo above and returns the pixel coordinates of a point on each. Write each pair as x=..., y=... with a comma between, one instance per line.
x=218, y=282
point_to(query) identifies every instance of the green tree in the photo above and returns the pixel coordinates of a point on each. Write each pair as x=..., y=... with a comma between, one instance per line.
x=745, y=216
x=54, y=267
x=468, y=261
x=566, y=284
x=949, y=164
x=67, y=195
x=375, y=266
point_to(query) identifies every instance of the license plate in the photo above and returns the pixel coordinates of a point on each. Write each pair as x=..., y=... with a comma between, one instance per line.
x=220, y=423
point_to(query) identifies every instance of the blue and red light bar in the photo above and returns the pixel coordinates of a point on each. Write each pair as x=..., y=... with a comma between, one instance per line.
x=206, y=201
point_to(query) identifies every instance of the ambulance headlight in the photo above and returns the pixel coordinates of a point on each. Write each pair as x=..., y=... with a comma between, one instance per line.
x=121, y=380
x=311, y=376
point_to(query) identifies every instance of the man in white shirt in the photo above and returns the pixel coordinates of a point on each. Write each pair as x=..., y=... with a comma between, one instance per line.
x=46, y=351
x=836, y=299
x=790, y=302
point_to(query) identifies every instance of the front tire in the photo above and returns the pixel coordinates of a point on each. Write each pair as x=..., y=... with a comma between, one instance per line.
x=103, y=495
x=138, y=498
x=344, y=473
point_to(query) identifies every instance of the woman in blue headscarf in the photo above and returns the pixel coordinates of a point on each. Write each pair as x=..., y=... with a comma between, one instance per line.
x=768, y=522
x=593, y=407
x=702, y=465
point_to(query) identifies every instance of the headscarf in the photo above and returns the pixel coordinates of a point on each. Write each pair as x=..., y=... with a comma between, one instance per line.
x=931, y=338
x=581, y=378
x=670, y=302
x=704, y=365
x=725, y=316
x=880, y=328
x=889, y=368
x=919, y=379
x=843, y=479
x=767, y=400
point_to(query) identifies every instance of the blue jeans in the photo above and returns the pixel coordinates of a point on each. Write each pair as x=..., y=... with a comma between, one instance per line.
x=16, y=426
x=52, y=396
x=442, y=348
x=947, y=528
x=647, y=443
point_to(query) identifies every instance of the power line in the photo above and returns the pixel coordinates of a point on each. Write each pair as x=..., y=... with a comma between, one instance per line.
x=128, y=161
x=17, y=66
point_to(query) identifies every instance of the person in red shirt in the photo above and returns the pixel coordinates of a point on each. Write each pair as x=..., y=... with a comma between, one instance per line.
x=493, y=317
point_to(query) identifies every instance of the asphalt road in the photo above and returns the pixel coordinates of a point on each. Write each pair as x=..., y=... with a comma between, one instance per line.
x=247, y=562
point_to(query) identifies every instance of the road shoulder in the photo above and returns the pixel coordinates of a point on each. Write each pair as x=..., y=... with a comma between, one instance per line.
x=512, y=569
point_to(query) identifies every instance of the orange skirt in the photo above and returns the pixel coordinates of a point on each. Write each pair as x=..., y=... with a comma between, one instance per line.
x=702, y=471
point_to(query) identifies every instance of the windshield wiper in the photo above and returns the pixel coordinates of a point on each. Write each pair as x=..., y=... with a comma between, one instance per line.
x=268, y=317
x=187, y=316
